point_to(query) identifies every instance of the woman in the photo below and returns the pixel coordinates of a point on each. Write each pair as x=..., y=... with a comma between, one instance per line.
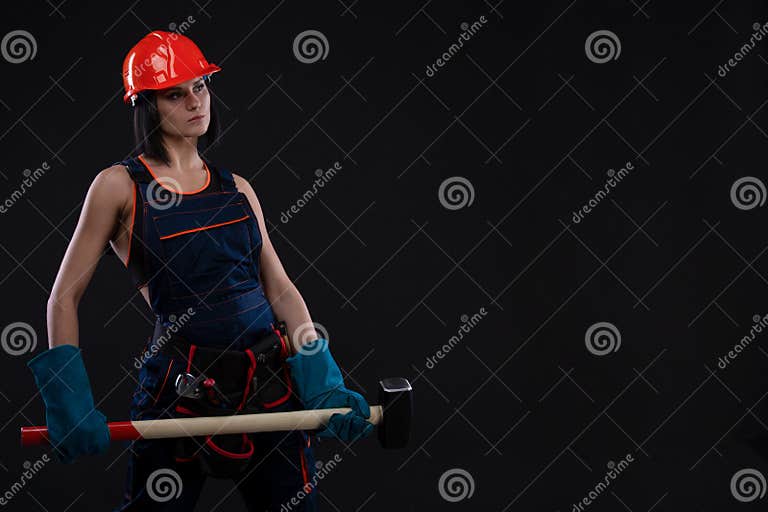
x=194, y=240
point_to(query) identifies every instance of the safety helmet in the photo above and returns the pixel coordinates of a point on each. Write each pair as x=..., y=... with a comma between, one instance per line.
x=160, y=60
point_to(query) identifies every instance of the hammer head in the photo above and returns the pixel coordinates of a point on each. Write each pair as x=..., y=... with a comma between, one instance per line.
x=396, y=399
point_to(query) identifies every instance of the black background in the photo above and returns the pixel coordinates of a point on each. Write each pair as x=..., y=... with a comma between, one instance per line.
x=534, y=125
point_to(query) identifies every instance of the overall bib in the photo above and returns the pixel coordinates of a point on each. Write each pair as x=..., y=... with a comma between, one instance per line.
x=198, y=253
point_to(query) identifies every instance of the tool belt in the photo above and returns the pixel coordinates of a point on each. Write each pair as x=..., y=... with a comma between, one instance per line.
x=218, y=382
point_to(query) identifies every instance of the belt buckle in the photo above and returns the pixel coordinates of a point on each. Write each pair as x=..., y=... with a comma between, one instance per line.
x=187, y=385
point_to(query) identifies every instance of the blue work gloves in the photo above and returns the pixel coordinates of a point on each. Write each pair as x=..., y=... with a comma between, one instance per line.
x=74, y=427
x=319, y=384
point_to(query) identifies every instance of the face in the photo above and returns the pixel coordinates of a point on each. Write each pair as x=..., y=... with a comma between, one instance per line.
x=185, y=109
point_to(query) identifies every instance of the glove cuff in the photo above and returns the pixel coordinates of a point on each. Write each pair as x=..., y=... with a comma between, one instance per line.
x=314, y=371
x=56, y=357
x=311, y=348
x=75, y=427
x=62, y=380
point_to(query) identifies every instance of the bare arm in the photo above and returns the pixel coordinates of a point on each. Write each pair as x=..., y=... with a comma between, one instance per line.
x=286, y=301
x=98, y=221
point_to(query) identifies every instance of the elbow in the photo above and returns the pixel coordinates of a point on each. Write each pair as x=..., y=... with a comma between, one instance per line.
x=65, y=295
x=280, y=290
x=65, y=302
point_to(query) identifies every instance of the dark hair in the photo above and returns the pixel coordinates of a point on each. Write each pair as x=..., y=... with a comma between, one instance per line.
x=146, y=127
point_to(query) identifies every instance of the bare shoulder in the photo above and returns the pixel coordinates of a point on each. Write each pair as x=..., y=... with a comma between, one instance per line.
x=241, y=183
x=112, y=186
x=244, y=186
x=114, y=176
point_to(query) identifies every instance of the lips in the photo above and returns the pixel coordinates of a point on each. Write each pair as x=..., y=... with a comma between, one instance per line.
x=196, y=118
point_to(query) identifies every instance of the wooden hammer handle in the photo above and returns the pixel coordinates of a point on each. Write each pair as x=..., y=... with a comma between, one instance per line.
x=210, y=425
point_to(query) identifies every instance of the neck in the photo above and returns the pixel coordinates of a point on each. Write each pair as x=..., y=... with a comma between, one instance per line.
x=182, y=152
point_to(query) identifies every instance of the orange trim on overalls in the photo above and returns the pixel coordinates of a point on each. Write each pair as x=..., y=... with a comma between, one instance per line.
x=192, y=349
x=202, y=228
x=304, y=471
x=159, y=392
x=207, y=179
x=130, y=230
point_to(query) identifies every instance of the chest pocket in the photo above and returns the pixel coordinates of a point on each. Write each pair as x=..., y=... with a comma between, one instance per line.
x=206, y=249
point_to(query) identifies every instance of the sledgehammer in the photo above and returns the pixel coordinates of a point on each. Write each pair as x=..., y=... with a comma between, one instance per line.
x=393, y=417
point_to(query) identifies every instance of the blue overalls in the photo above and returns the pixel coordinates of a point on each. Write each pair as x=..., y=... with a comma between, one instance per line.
x=198, y=252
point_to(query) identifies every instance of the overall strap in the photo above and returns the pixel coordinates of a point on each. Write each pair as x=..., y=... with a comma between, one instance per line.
x=137, y=259
x=137, y=171
x=227, y=180
x=140, y=176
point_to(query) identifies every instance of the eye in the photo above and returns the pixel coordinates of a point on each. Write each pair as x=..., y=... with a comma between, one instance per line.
x=173, y=96
x=199, y=87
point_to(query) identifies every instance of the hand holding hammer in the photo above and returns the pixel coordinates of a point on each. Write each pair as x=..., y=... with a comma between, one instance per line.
x=392, y=416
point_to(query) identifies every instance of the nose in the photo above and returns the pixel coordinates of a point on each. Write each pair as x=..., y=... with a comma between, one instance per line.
x=193, y=102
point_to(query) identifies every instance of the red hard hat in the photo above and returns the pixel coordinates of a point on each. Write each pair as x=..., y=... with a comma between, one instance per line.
x=160, y=60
